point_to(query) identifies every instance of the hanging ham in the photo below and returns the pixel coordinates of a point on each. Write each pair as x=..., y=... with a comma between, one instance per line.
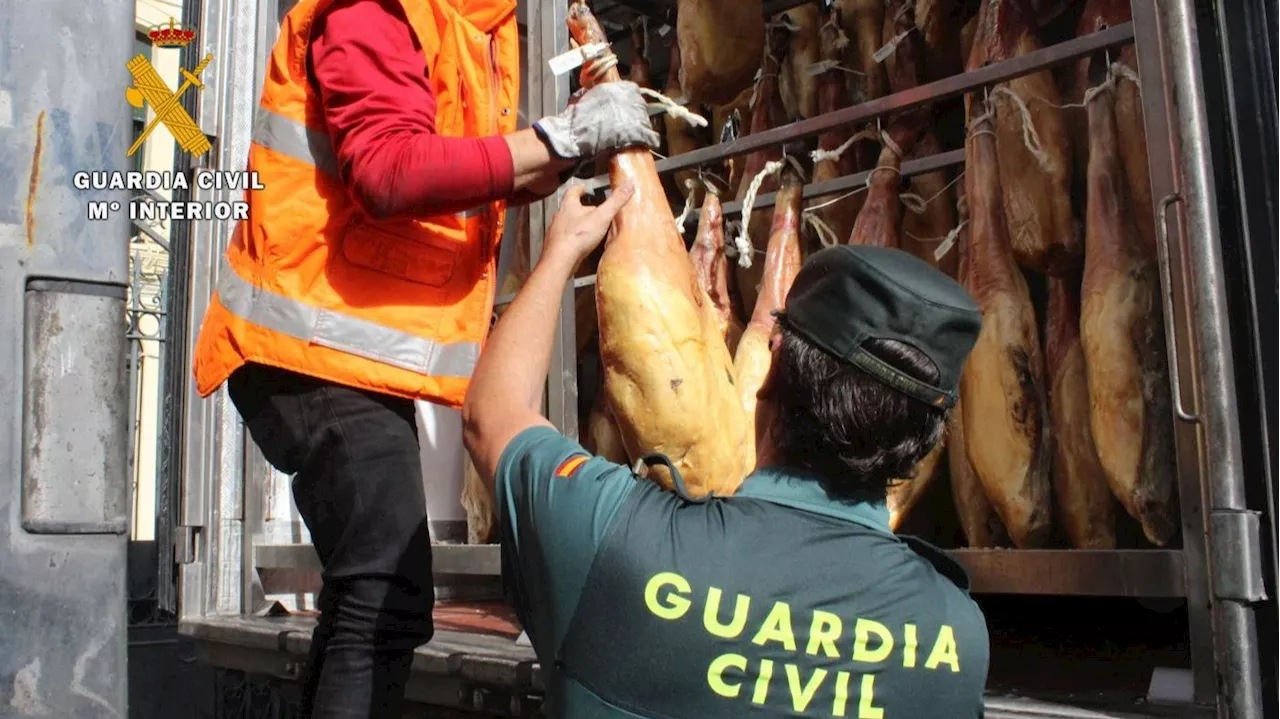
x=668, y=374
x=863, y=22
x=978, y=519
x=720, y=45
x=682, y=136
x=1032, y=148
x=711, y=265
x=1122, y=332
x=798, y=85
x=837, y=212
x=938, y=21
x=1099, y=15
x=1002, y=385
x=766, y=112
x=1085, y=506
x=781, y=263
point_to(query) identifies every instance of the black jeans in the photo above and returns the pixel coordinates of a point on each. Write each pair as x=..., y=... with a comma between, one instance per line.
x=358, y=485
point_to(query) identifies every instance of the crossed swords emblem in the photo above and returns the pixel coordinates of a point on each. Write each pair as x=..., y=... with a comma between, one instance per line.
x=151, y=89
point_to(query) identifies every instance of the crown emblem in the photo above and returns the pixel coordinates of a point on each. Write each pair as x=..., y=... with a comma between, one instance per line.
x=171, y=35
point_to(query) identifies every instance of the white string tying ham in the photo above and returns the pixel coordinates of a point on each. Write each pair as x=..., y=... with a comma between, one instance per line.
x=1030, y=137
x=741, y=241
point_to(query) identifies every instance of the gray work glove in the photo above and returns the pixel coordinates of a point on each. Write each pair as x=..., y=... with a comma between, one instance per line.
x=607, y=117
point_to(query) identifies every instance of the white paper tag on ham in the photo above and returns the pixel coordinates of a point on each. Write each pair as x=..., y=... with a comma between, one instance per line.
x=662, y=31
x=560, y=64
x=818, y=68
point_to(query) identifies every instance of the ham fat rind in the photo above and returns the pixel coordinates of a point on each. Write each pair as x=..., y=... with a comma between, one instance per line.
x=668, y=374
x=1002, y=385
x=799, y=86
x=1035, y=162
x=1085, y=506
x=720, y=46
x=1122, y=332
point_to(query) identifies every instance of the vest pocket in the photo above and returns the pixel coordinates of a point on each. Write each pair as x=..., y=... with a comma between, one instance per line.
x=421, y=259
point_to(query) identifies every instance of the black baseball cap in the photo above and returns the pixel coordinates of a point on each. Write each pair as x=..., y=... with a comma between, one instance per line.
x=846, y=295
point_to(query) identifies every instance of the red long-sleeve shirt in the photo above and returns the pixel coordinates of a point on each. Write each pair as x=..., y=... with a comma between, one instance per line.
x=380, y=111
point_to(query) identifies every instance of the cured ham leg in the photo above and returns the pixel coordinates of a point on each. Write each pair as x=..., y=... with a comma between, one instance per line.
x=879, y=224
x=938, y=20
x=1122, y=332
x=863, y=22
x=681, y=136
x=720, y=45
x=781, y=263
x=1002, y=384
x=837, y=213
x=767, y=112
x=904, y=66
x=668, y=375
x=1099, y=15
x=711, y=266
x=978, y=519
x=1034, y=159
x=798, y=85
x=1086, y=509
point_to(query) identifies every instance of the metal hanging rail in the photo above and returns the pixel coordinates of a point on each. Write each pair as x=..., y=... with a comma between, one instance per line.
x=945, y=89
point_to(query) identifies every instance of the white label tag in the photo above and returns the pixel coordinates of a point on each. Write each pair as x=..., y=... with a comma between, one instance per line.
x=662, y=31
x=818, y=68
x=560, y=64
x=944, y=248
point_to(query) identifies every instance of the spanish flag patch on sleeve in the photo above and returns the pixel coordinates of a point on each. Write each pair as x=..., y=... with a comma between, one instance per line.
x=571, y=465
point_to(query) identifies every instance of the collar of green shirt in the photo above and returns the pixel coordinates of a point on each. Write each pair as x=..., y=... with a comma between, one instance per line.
x=803, y=490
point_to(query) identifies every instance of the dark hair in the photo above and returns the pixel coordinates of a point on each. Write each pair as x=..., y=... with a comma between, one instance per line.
x=844, y=425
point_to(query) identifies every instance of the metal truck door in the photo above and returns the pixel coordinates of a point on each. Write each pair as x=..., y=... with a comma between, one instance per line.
x=64, y=448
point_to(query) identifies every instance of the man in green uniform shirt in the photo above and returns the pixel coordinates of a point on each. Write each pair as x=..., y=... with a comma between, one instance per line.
x=790, y=598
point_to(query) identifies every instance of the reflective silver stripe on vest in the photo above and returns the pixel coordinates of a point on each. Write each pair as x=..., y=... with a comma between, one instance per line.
x=277, y=132
x=344, y=333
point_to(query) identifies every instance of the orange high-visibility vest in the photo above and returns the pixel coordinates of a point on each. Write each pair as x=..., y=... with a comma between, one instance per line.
x=312, y=284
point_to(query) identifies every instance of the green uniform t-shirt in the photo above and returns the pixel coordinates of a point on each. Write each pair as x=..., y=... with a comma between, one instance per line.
x=778, y=601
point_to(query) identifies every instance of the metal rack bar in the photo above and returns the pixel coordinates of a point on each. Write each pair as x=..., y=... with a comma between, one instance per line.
x=947, y=88
x=1099, y=573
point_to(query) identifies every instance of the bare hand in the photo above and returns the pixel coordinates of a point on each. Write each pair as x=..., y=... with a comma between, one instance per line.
x=577, y=229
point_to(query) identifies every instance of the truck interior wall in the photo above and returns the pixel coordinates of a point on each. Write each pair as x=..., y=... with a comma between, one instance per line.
x=1238, y=61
